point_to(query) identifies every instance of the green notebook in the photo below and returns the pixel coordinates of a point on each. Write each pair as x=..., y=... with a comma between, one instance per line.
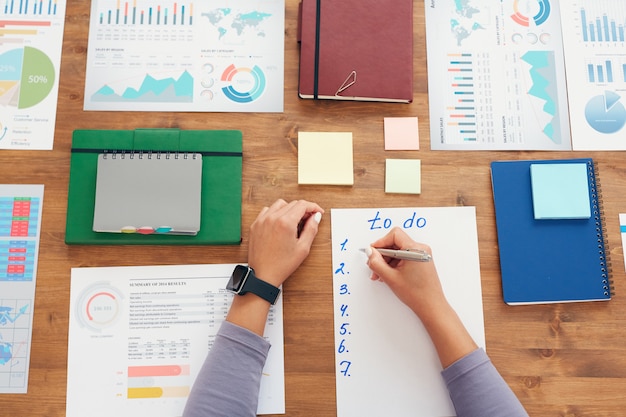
x=221, y=152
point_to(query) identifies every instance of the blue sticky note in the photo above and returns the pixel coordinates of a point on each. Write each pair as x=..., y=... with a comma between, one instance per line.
x=560, y=191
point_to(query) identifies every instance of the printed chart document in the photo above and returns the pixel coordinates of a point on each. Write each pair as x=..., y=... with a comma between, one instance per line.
x=385, y=362
x=595, y=51
x=20, y=227
x=172, y=55
x=496, y=75
x=140, y=335
x=31, y=38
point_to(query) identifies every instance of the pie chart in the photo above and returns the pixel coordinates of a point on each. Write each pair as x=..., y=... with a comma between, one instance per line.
x=27, y=77
x=605, y=113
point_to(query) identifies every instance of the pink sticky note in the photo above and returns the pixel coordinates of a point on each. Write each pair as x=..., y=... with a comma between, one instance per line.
x=401, y=133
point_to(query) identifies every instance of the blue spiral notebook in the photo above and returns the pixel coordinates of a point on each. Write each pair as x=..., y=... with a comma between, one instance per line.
x=549, y=260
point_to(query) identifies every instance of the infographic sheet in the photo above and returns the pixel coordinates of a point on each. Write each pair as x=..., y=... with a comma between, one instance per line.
x=595, y=52
x=496, y=75
x=140, y=335
x=31, y=39
x=20, y=227
x=172, y=55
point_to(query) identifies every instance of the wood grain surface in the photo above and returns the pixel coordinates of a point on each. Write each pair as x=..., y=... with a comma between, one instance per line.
x=561, y=360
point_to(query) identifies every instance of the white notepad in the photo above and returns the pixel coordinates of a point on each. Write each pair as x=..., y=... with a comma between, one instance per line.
x=377, y=338
x=148, y=193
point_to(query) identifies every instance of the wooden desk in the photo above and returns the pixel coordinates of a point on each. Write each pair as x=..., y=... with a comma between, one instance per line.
x=561, y=360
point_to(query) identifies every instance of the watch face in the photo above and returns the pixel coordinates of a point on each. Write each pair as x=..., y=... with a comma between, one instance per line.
x=237, y=278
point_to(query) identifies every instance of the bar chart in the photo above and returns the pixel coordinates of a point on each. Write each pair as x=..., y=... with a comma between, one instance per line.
x=603, y=25
x=462, y=101
x=601, y=72
x=606, y=71
x=30, y=8
x=160, y=381
x=165, y=13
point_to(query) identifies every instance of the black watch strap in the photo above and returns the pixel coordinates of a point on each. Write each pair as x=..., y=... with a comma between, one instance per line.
x=261, y=288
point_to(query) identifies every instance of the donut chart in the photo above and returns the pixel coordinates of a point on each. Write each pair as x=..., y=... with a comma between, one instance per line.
x=99, y=306
x=27, y=77
x=244, y=84
x=539, y=18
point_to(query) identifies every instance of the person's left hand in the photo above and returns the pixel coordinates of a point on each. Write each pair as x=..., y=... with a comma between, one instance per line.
x=281, y=238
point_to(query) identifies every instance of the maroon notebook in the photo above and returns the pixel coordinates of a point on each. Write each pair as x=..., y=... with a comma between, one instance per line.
x=356, y=50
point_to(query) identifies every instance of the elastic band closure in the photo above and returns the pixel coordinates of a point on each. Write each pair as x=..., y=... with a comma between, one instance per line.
x=316, y=67
x=134, y=151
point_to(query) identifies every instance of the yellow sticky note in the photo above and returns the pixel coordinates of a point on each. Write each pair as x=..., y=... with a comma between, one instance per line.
x=403, y=176
x=325, y=158
x=401, y=133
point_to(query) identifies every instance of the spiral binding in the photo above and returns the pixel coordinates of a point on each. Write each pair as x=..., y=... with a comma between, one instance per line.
x=149, y=155
x=598, y=215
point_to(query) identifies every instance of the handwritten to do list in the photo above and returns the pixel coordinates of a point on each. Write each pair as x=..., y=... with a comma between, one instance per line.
x=385, y=363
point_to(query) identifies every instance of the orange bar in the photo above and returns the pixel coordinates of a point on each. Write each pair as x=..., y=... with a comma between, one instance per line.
x=4, y=23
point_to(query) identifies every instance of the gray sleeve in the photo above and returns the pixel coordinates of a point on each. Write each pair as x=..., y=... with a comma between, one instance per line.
x=478, y=390
x=228, y=383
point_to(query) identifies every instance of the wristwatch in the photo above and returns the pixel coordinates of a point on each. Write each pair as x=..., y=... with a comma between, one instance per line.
x=243, y=280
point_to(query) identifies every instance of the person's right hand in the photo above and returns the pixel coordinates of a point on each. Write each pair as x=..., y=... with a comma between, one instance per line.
x=415, y=283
